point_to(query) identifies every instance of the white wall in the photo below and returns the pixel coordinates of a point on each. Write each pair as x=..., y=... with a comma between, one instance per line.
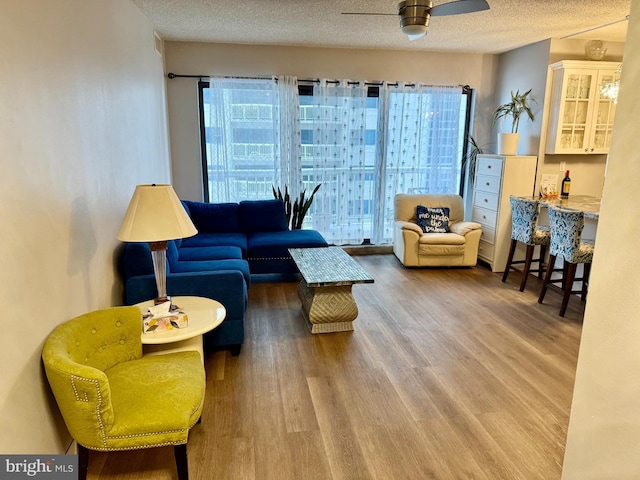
x=245, y=60
x=521, y=70
x=604, y=429
x=82, y=121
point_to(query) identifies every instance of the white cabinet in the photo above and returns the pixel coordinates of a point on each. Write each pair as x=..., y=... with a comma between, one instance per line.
x=580, y=119
x=497, y=177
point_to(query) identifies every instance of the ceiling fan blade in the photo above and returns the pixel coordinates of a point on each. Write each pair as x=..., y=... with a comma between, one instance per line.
x=459, y=6
x=369, y=13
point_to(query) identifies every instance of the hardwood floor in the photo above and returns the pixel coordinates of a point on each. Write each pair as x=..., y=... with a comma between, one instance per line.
x=449, y=374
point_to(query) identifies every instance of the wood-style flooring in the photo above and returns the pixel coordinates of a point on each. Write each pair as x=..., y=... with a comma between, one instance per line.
x=449, y=374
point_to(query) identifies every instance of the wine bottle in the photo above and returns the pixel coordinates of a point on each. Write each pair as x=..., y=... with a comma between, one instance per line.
x=566, y=185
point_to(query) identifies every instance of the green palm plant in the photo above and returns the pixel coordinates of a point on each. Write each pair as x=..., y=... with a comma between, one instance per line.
x=473, y=149
x=295, y=213
x=519, y=104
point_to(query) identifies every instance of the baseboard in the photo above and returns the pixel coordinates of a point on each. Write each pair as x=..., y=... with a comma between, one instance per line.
x=368, y=249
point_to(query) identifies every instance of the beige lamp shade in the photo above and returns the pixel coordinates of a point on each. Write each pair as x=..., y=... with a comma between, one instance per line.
x=155, y=214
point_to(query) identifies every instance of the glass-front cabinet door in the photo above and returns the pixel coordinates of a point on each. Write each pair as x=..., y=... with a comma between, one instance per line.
x=580, y=119
x=579, y=87
x=605, y=110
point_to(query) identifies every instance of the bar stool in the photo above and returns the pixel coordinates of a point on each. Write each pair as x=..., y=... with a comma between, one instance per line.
x=525, y=229
x=566, y=244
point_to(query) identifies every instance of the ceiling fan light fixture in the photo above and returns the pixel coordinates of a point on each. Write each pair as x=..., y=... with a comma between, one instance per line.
x=414, y=30
x=414, y=16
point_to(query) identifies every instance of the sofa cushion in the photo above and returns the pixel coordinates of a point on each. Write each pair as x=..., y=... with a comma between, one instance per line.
x=440, y=250
x=442, y=239
x=217, y=240
x=433, y=220
x=262, y=216
x=136, y=260
x=212, y=266
x=213, y=217
x=405, y=205
x=208, y=253
x=186, y=207
x=276, y=244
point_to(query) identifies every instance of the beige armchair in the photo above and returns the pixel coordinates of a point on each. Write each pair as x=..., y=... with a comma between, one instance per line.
x=456, y=248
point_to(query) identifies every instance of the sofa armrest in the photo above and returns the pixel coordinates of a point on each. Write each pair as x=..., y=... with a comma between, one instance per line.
x=226, y=286
x=410, y=226
x=462, y=228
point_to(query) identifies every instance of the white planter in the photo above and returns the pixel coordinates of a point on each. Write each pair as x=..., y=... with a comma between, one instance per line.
x=508, y=143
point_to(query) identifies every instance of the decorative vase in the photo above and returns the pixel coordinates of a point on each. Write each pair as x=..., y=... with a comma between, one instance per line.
x=508, y=143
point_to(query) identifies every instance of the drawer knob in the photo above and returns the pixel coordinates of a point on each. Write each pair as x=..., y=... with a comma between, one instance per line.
x=484, y=216
x=486, y=200
x=489, y=167
x=488, y=184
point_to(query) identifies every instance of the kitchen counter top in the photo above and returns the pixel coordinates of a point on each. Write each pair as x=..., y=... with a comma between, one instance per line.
x=585, y=203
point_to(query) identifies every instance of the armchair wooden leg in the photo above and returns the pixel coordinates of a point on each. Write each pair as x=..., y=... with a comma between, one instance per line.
x=182, y=464
x=83, y=462
x=512, y=250
x=527, y=267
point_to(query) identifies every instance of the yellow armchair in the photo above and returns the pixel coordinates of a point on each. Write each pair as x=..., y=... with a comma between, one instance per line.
x=111, y=396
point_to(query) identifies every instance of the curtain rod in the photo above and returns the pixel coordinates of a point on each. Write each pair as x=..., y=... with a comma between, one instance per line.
x=465, y=88
x=173, y=75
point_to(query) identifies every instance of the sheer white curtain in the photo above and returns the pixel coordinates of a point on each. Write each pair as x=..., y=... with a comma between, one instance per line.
x=339, y=161
x=252, y=137
x=420, y=142
x=287, y=134
x=241, y=157
x=361, y=143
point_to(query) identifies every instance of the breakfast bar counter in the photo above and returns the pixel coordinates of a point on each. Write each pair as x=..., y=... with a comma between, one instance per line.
x=585, y=203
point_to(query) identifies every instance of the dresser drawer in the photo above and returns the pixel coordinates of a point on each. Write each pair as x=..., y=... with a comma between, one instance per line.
x=487, y=183
x=489, y=166
x=485, y=251
x=488, y=234
x=485, y=217
x=486, y=200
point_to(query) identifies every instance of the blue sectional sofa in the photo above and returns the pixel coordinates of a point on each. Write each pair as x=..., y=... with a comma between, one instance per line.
x=258, y=227
x=235, y=241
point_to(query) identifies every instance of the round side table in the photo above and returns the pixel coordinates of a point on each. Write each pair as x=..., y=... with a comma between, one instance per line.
x=203, y=316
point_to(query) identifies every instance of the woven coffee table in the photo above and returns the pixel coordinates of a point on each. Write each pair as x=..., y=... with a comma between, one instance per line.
x=328, y=274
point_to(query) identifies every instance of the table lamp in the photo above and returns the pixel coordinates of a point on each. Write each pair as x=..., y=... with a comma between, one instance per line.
x=155, y=215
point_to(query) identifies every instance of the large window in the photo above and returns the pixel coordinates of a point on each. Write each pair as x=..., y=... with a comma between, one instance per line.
x=363, y=143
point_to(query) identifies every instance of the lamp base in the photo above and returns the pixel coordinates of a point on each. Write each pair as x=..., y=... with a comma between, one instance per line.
x=159, y=300
x=159, y=259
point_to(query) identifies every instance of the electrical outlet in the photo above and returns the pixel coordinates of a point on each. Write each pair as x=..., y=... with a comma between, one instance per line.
x=563, y=166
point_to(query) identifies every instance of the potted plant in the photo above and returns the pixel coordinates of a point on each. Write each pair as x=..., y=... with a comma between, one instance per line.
x=295, y=212
x=469, y=160
x=520, y=104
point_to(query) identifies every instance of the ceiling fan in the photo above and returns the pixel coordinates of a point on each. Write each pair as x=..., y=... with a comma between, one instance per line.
x=414, y=14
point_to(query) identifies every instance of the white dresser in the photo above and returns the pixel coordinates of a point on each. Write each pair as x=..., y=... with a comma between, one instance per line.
x=497, y=177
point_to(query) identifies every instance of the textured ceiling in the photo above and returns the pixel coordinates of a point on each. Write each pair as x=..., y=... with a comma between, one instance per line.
x=507, y=25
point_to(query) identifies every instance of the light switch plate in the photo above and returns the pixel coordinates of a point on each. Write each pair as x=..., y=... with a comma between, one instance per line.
x=563, y=166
